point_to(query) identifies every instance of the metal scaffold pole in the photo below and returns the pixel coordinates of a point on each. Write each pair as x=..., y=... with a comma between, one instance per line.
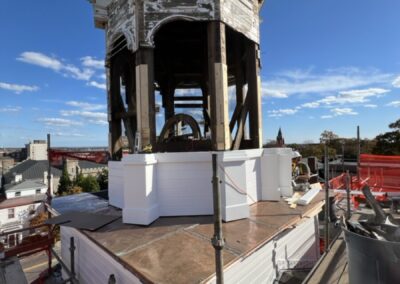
x=358, y=153
x=217, y=240
x=327, y=219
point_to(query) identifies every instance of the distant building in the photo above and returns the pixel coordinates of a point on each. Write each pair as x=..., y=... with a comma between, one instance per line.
x=6, y=163
x=87, y=168
x=25, y=188
x=15, y=214
x=280, y=141
x=37, y=150
x=33, y=170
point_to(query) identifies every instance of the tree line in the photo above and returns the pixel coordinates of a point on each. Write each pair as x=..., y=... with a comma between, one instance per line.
x=82, y=183
x=387, y=143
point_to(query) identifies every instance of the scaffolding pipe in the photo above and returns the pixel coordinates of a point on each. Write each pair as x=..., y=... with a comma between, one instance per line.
x=217, y=240
x=326, y=158
x=358, y=153
x=347, y=179
x=72, y=256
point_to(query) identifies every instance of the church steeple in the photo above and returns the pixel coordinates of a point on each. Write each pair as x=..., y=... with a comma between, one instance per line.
x=280, y=141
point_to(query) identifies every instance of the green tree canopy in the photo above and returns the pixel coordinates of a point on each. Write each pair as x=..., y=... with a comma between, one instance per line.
x=389, y=143
x=65, y=182
x=90, y=184
x=102, y=179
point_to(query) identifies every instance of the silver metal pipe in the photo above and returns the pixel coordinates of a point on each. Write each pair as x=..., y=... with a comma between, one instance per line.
x=217, y=240
x=327, y=219
x=347, y=179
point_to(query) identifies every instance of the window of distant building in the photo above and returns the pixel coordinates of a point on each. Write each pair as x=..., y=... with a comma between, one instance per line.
x=38, y=191
x=11, y=213
x=17, y=193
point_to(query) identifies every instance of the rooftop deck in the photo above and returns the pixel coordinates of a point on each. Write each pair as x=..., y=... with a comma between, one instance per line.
x=178, y=249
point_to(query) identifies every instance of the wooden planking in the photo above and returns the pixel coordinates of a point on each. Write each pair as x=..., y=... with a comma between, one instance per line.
x=157, y=11
x=11, y=271
x=122, y=21
x=333, y=268
x=242, y=16
x=138, y=20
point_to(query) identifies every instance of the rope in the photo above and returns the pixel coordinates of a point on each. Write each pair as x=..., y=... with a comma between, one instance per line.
x=235, y=186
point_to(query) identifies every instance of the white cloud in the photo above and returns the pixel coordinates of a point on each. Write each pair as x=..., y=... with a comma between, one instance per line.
x=91, y=117
x=42, y=60
x=310, y=105
x=326, y=116
x=92, y=62
x=85, y=105
x=265, y=92
x=59, y=121
x=347, y=98
x=281, y=112
x=68, y=134
x=98, y=85
x=343, y=111
x=18, y=88
x=394, y=104
x=10, y=109
x=334, y=80
x=396, y=82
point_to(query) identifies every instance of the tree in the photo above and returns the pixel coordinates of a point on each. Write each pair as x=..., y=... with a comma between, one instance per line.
x=389, y=143
x=328, y=135
x=65, y=182
x=102, y=179
x=90, y=184
x=79, y=179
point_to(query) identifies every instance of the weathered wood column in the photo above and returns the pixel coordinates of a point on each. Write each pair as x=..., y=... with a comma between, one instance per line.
x=145, y=101
x=254, y=93
x=115, y=128
x=218, y=86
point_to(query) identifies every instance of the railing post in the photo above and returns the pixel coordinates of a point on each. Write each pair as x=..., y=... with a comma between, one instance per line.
x=217, y=240
x=72, y=258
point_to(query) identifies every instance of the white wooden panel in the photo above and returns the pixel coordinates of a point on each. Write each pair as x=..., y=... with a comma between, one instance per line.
x=185, y=188
x=116, y=184
x=293, y=247
x=92, y=264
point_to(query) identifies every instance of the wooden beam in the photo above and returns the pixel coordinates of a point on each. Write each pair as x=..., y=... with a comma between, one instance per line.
x=254, y=92
x=241, y=124
x=188, y=98
x=189, y=106
x=218, y=84
x=115, y=128
x=145, y=96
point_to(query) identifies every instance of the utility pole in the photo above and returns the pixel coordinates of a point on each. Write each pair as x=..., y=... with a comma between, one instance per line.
x=217, y=240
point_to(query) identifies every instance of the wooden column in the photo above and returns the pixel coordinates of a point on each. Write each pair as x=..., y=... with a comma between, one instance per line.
x=145, y=101
x=115, y=128
x=254, y=93
x=218, y=84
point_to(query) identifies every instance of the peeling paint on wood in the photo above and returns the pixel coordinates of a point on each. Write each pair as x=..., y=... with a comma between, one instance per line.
x=139, y=20
x=122, y=21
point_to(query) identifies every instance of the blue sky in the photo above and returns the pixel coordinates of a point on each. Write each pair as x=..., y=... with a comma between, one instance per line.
x=331, y=64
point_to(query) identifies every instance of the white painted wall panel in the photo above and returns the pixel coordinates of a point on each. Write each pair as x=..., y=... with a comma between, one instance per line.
x=185, y=188
x=116, y=184
x=87, y=270
x=296, y=246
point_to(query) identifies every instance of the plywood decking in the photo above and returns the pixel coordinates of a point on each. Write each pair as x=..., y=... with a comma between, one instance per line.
x=174, y=247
